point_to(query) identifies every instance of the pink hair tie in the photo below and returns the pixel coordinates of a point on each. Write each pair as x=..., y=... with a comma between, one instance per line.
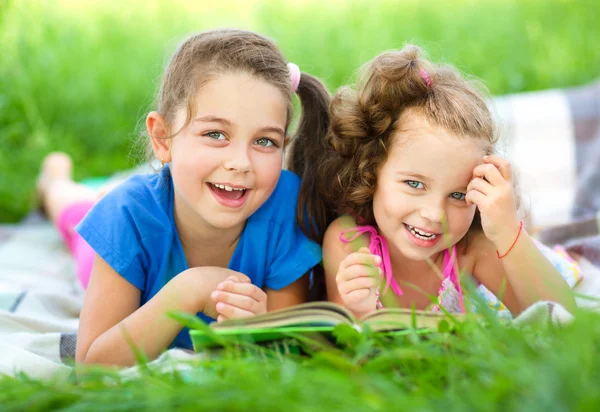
x=294, y=75
x=425, y=77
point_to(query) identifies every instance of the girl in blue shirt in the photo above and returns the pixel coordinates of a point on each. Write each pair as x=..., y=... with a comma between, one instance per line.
x=215, y=231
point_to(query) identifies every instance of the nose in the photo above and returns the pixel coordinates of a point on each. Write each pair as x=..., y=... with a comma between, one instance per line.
x=433, y=210
x=238, y=160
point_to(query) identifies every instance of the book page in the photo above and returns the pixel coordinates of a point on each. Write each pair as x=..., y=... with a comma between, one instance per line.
x=313, y=313
x=398, y=319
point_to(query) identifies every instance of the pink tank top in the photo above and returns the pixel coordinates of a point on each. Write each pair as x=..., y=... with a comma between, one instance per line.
x=378, y=246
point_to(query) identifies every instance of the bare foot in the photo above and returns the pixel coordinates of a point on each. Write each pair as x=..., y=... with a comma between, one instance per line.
x=56, y=166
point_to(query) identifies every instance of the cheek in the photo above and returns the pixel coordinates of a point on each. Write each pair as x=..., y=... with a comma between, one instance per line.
x=462, y=218
x=267, y=167
x=392, y=202
x=194, y=165
x=380, y=203
x=389, y=206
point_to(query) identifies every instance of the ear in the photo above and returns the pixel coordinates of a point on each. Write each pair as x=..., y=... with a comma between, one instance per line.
x=159, y=136
x=286, y=141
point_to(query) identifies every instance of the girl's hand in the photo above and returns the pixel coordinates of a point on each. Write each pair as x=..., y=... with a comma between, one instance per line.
x=195, y=285
x=491, y=189
x=357, y=280
x=237, y=298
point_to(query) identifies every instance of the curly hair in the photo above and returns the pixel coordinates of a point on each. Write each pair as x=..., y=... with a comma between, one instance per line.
x=340, y=167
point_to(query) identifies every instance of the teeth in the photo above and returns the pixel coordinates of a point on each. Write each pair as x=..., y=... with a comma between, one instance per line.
x=224, y=187
x=420, y=234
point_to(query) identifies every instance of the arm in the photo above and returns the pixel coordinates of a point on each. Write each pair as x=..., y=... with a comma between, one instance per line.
x=531, y=277
x=293, y=294
x=522, y=277
x=111, y=312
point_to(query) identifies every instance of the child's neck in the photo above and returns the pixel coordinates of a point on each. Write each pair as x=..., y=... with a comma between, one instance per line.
x=409, y=267
x=205, y=245
x=418, y=279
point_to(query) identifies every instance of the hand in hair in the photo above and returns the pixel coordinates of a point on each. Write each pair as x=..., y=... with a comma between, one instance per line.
x=238, y=298
x=357, y=281
x=491, y=189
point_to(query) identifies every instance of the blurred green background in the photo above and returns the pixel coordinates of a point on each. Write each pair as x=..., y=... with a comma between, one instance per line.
x=79, y=76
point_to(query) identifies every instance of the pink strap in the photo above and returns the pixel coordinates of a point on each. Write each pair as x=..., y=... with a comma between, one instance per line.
x=377, y=246
x=450, y=272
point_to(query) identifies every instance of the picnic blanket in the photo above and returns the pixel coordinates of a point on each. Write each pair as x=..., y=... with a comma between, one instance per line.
x=553, y=138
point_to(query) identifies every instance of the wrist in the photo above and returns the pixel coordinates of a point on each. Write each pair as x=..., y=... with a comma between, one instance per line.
x=505, y=243
x=192, y=290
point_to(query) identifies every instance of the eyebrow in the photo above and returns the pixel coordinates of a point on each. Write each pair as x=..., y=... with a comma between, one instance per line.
x=212, y=119
x=272, y=129
x=215, y=119
x=411, y=174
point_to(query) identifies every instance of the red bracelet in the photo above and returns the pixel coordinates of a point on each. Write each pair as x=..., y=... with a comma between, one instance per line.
x=513, y=245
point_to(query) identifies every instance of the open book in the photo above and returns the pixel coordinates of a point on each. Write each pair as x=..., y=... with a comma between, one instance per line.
x=313, y=318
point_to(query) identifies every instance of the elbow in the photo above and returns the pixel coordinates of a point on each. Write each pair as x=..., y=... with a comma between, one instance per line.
x=88, y=357
x=94, y=357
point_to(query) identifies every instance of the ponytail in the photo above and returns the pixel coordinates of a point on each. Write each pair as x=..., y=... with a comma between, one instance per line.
x=307, y=152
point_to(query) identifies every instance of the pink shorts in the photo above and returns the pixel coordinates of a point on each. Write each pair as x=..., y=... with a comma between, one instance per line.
x=81, y=251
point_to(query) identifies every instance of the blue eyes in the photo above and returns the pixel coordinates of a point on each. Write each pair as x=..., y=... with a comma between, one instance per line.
x=263, y=141
x=414, y=184
x=458, y=196
x=215, y=135
x=419, y=185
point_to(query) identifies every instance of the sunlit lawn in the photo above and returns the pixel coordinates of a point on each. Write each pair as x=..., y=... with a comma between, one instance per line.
x=79, y=76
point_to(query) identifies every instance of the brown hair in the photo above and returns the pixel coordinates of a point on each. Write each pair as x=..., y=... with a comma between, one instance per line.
x=340, y=167
x=206, y=55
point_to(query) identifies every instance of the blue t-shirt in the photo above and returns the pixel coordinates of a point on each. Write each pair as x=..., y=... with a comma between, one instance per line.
x=133, y=229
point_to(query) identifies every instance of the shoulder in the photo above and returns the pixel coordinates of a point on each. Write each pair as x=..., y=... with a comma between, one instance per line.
x=337, y=228
x=478, y=255
x=480, y=249
x=137, y=190
x=334, y=249
x=287, y=188
x=141, y=201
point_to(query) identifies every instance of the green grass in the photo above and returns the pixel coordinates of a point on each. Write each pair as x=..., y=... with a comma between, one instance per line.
x=542, y=368
x=80, y=77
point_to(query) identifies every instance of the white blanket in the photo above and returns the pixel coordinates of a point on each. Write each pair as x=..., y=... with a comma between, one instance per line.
x=40, y=301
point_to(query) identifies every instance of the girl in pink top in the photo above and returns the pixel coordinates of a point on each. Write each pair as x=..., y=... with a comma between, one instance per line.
x=409, y=164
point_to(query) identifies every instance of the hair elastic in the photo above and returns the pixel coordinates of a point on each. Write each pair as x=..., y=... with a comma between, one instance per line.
x=294, y=75
x=425, y=77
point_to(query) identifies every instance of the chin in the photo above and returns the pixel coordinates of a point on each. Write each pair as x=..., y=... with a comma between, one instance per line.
x=419, y=254
x=227, y=222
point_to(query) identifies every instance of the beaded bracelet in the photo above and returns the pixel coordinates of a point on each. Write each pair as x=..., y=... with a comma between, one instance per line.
x=513, y=245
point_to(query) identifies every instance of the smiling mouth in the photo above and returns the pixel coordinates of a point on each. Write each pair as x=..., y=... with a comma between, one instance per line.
x=229, y=196
x=420, y=234
x=228, y=192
